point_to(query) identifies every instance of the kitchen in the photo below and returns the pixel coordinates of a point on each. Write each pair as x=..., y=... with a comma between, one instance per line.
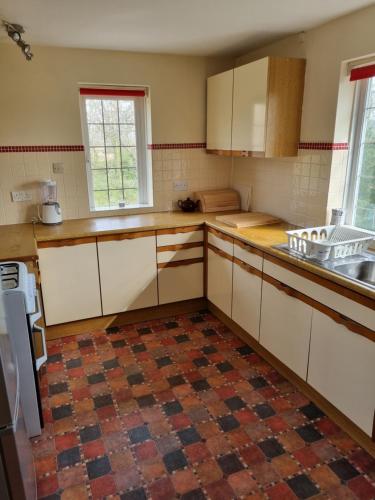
x=186, y=250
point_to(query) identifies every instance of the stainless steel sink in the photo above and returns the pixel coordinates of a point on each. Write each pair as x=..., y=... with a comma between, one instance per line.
x=363, y=270
x=359, y=268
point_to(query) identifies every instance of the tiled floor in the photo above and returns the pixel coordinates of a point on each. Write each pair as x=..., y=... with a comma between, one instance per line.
x=181, y=408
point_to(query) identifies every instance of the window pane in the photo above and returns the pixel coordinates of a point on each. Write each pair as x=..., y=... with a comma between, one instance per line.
x=96, y=136
x=126, y=111
x=130, y=178
x=94, y=110
x=115, y=196
x=129, y=157
x=371, y=97
x=97, y=158
x=110, y=111
x=114, y=179
x=99, y=179
x=113, y=157
x=127, y=133
x=131, y=196
x=101, y=199
x=370, y=125
x=111, y=135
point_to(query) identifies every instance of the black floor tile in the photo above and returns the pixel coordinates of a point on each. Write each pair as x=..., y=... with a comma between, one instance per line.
x=209, y=332
x=172, y=408
x=200, y=385
x=104, y=400
x=139, y=434
x=171, y=324
x=176, y=380
x=209, y=349
x=110, y=363
x=57, y=388
x=144, y=331
x=199, y=362
x=302, y=486
x=74, y=363
x=197, y=319
x=61, y=412
x=112, y=329
x=188, y=436
x=245, y=350
x=258, y=382
x=135, y=379
x=90, y=433
x=228, y=423
x=138, y=494
x=264, y=410
x=165, y=361
x=174, y=460
x=96, y=378
x=69, y=457
x=235, y=403
x=181, y=338
x=98, y=467
x=85, y=343
x=309, y=434
x=147, y=400
x=138, y=348
x=230, y=464
x=311, y=411
x=118, y=343
x=271, y=448
x=343, y=469
x=194, y=495
x=224, y=367
x=54, y=358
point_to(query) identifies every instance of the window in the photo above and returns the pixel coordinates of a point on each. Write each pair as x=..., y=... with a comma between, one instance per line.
x=361, y=185
x=115, y=131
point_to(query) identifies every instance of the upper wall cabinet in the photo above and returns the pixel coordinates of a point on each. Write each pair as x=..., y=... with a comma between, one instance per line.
x=219, y=111
x=266, y=97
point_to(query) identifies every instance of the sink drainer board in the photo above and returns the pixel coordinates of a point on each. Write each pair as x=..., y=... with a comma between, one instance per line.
x=329, y=242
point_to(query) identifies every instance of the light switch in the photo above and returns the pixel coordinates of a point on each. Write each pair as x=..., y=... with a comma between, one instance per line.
x=21, y=196
x=58, y=168
x=180, y=185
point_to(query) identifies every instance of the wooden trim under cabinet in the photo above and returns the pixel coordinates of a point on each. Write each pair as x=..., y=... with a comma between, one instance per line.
x=351, y=325
x=219, y=152
x=68, y=242
x=178, y=263
x=319, y=280
x=180, y=246
x=184, y=229
x=125, y=236
x=220, y=252
x=220, y=235
x=248, y=248
x=246, y=267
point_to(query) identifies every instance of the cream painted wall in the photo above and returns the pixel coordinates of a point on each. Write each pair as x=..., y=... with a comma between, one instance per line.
x=39, y=99
x=304, y=189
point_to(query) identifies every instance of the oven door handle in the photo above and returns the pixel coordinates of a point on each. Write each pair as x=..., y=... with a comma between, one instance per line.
x=40, y=360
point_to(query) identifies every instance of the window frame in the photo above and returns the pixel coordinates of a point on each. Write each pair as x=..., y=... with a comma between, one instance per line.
x=144, y=170
x=356, y=151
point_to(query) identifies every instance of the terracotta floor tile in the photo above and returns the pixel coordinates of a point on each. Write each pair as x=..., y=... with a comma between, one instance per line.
x=103, y=486
x=162, y=489
x=209, y=472
x=220, y=490
x=78, y=492
x=184, y=481
x=242, y=482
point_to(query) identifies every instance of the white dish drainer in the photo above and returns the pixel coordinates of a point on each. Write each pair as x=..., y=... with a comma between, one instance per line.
x=329, y=242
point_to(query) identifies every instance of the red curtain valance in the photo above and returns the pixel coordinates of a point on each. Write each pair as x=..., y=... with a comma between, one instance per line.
x=362, y=72
x=112, y=92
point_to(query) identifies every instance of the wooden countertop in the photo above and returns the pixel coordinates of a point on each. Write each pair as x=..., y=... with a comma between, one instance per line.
x=17, y=241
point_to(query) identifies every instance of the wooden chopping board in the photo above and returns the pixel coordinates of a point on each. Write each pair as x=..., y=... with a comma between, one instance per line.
x=248, y=219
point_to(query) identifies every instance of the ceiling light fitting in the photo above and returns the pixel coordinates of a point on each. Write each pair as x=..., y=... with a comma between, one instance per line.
x=15, y=33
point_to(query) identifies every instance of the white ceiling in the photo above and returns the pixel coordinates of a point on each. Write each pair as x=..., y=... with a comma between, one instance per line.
x=197, y=27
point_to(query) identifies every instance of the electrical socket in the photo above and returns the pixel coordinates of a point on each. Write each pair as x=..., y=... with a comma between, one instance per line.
x=180, y=185
x=21, y=195
x=58, y=168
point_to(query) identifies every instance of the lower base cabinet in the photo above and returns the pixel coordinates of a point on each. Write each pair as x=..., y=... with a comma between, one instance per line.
x=342, y=369
x=285, y=327
x=247, y=290
x=182, y=282
x=219, y=281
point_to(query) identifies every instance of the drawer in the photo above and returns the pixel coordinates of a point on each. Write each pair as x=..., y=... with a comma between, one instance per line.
x=336, y=301
x=180, y=254
x=248, y=254
x=181, y=282
x=178, y=236
x=220, y=241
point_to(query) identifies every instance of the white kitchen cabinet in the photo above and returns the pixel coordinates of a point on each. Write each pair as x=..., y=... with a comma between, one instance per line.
x=250, y=106
x=219, y=111
x=285, y=327
x=128, y=271
x=247, y=291
x=70, y=280
x=219, y=280
x=342, y=369
x=180, y=282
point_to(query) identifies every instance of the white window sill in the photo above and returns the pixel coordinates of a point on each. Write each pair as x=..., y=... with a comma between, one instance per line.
x=121, y=209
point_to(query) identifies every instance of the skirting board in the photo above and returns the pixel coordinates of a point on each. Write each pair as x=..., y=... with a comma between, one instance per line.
x=125, y=318
x=331, y=411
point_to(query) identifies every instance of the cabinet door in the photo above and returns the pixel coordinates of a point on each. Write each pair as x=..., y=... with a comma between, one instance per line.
x=219, y=111
x=219, y=281
x=342, y=369
x=285, y=328
x=247, y=289
x=70, y=282
x=181, y=282
x=250, y=106
x=128, y=273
